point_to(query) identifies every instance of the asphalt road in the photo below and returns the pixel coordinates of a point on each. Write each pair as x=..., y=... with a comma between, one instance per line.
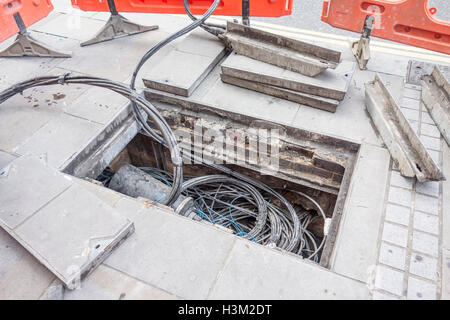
x=306, y=15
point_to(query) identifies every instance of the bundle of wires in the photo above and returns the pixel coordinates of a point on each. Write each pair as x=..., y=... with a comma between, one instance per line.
x=250, y=212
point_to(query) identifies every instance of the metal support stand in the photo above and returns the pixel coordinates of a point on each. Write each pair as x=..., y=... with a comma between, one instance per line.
x=361, y=48
x=246, y=12
x=117, y=26
x=26, y=45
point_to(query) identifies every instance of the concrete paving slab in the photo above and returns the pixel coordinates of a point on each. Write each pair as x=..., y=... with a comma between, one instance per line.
x=254, y=272
x=21, y=275
x=331, y=84
x=294, y=96
x=6, y=158
x=23, y=179
x=118, y=66
x=351, y=121
x=70, y=26
x=185, y=67
x=445, y=246
x=240, y=100
x=97, y=104
x=106, y=283
x=60, y=139
x=74, y=243
x=179, y=255
x=355, y=250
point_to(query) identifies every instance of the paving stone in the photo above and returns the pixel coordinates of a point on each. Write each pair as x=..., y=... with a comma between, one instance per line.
x=97, y=104
x=430, y=130
x=25, y=178
x=240, y=100
x=83, y=232
x=389, y=280
x=377, y=295
x=109, y=284
x=362, y=215
x=426, y=118
x=71, y=26
x=414, y=125
x=399, y=181
x=6, y=158
x=427, y=204
x=431, y=143
x=411, y=93
x=423, y=266
x=21, y=275
x=426, y=222
x=255, y=266
x=189, y=270
x=395, y=234
x=392, y=256
x=187, y=65
x=435, y=155
x=120, y=65
x=421, y=290
x=400, y=196
x=331, y=84
x=60, y=139
x=351, y=120
x=425, y=243
x=410, y=103
x=410, y=114
x=397, y=214
x=23, y=115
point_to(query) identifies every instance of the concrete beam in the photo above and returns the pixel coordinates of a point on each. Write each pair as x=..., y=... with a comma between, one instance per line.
x=436, y=98
x=287, y=53
x=302, y=98
x=332, y=84
x=404, y=145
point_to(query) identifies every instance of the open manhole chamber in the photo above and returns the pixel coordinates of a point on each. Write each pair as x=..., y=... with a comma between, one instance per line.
x=298, y=164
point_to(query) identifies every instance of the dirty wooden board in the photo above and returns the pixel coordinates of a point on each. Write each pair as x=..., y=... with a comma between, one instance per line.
x=67, y=228
x=185, y=67
x=302, y=98
x=436, y=98
x=331, y=84
x=404, y=145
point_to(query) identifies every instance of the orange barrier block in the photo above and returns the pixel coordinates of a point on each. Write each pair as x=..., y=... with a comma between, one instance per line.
x=31, y=11
x=406, y=21
x=262, y=8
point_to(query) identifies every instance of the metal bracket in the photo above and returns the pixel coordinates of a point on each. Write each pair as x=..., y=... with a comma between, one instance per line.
x=246, y=12
x=26, y=45
x=361, y=48
x=117, y=26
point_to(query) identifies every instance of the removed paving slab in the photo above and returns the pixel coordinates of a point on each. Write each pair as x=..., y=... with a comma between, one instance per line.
x=436, y=98
x=66, y=227
x=187, y=65
x=405, y=147
x=331, y=84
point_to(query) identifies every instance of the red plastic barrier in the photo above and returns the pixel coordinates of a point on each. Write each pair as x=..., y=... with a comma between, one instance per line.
x=261, y=8
x=31, y=11
x=405, y=21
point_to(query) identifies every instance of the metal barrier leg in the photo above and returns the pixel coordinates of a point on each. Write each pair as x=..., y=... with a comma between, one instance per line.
x=117, y=26
x=26, y=45
x=361, y=48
